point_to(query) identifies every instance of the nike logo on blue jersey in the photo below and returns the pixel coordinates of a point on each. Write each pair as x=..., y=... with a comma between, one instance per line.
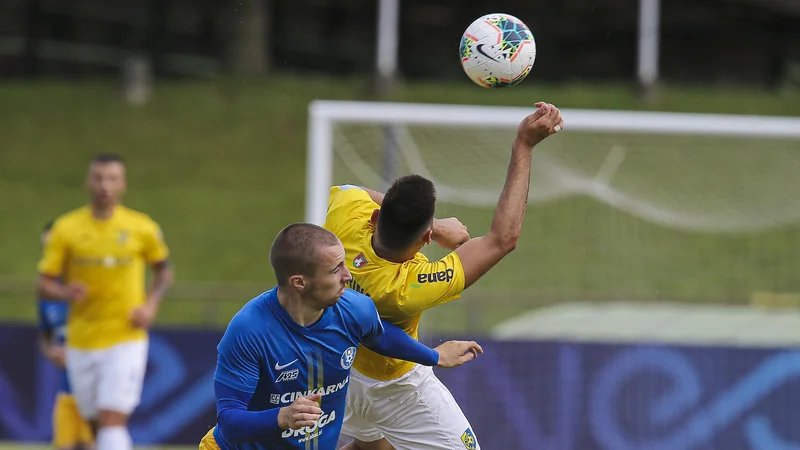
x=279, y=367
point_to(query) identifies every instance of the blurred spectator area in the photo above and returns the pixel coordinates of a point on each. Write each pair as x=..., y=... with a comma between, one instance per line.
x=702, y=41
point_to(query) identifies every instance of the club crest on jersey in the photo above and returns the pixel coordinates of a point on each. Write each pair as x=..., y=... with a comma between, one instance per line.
x=468, y=438
x=348, y=356
x=359, y=261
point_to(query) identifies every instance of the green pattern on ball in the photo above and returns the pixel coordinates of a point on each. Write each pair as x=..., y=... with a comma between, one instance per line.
x=466, y=47
x=514, y=34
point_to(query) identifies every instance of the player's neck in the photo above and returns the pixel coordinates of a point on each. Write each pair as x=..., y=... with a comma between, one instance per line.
x=103, y=211
x=300, y=311
x=388, y=255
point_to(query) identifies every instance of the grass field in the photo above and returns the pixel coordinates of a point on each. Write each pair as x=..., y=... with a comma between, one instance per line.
x=221, y=165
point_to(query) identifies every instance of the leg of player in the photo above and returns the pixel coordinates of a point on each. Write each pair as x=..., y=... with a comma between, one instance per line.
x=65, y=436
x=119, y=393
x=428, y=417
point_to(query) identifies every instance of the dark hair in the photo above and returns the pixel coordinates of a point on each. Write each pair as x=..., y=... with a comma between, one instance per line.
x=406, y=212
x=102, y=158
x=294, y=250
x=48, y=226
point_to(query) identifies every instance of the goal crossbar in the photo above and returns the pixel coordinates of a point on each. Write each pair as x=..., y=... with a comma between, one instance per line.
x=325, y=114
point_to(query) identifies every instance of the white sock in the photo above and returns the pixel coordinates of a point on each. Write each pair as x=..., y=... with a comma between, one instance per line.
x=114, y=438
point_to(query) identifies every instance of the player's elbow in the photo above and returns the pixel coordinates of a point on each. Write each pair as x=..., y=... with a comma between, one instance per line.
x=505, y=242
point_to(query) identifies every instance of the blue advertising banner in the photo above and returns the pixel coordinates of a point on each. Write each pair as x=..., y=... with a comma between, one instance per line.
x=518, y=395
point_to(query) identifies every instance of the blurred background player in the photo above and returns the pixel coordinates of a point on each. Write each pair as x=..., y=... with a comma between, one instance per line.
x=382, y=236
x=100, y=252
x=284, y=361
x=70, y=430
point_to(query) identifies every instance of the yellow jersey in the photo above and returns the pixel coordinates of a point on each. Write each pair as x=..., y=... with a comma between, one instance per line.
x=109, y=257
x=401, y=291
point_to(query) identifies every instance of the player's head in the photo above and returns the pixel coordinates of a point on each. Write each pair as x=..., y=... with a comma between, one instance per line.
x=406, y=215
x=309, y=260
x=106, y=180
x=46, y=232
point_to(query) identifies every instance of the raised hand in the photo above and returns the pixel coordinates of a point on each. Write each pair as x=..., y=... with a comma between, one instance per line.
x=543, y=122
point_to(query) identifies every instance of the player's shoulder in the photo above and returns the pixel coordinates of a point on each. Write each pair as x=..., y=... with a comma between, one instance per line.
x=355, y=302
x=135, y=217
x=344, y=196
x=254, y=315
x=76, y=217
x=354, y=190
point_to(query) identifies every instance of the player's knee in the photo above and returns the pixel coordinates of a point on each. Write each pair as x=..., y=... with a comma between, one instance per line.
x=107, y=418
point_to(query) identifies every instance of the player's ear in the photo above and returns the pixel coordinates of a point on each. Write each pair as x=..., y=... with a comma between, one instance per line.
x=374, y=218
x=297, y=282
x=427, y=237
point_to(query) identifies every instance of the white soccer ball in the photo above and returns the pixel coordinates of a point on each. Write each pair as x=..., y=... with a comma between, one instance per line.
x=497, y=51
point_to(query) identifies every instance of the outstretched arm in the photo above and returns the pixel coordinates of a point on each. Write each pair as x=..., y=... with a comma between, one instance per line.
x=480, y=254
x=395, y=343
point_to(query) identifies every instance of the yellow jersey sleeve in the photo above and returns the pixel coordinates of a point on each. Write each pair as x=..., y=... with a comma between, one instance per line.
x=55, y=252
x=345, y=203
x=431, y=283
x=154, y=248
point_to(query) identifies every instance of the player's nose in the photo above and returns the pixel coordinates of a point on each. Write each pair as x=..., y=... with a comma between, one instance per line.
x=346, y=275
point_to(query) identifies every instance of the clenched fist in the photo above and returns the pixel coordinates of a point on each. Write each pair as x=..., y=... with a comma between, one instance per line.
x=449, y=233
x=303, y=412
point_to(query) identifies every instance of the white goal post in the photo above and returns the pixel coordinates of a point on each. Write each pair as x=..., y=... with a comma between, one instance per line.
x=326, y=116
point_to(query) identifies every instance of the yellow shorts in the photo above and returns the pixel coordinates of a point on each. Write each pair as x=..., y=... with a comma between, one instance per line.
x=69, y=428
x=208, y=442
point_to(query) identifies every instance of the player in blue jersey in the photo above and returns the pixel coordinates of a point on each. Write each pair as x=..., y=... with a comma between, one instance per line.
x=70, y=431
x=283, y=364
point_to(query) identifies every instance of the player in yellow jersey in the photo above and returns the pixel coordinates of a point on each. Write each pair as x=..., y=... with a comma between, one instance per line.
x=95, y=258
x=70, y=430
x=394, y=403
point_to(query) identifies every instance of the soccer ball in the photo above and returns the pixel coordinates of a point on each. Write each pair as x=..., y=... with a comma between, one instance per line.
x=497, y=51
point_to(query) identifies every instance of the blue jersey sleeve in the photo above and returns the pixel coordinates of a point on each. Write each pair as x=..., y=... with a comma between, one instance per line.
x=237, y=424
x=368, y=322
x=238, y=359
x=395, y=343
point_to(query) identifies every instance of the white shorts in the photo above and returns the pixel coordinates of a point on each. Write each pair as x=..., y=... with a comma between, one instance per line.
x=415, y=411
x=110, y=379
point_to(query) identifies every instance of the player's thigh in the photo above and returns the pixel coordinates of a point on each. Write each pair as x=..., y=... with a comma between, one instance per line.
x=66, y=422
x=121, y=377
x=428, y=417
x=208, y=442
x=355, y=425
x=83, y=371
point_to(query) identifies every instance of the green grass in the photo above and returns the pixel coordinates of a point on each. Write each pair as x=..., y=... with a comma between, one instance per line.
x=221, y=165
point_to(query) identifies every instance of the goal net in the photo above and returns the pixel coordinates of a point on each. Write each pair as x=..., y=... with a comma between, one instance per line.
x=623, y=206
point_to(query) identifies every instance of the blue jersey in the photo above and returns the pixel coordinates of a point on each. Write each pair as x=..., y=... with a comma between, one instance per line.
x=264, y=351
x=53, y=321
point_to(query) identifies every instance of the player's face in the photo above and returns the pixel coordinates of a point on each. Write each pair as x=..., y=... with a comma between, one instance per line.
x=332, y=276
x=106, y=182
